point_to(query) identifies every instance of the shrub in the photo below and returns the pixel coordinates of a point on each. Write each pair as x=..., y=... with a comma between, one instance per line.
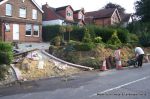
x=144, y=39
x=98, y=40
x=49, y=32
x=3, y=71
x=6, y=54
x=87, y=36
x=105, y=33
x=84, y=46
x=123, y=35
x=114, y=40
x=52, y=49
x=77, y=33
x=71, y=57
x=133, y=38
x=91, y=62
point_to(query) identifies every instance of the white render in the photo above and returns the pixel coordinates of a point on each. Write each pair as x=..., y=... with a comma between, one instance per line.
x=53, y=22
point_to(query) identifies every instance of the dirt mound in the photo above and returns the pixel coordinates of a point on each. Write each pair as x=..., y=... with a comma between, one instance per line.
x=30, y=70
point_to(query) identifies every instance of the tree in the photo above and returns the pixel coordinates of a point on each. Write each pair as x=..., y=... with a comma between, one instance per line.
x=69, y=29
x=87, y=36
x=143, y=10
x=62, y=30
x=111, y=5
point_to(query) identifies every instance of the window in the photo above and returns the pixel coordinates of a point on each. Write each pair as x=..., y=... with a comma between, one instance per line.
x=22, y=12
x=36, y=30
x=34, y=14
x=69, y=13
x=7, y=27
x=28, y=30
x=9, y=9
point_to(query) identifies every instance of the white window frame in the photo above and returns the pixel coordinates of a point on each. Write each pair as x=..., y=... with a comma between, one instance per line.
x=7, y=27
x=69, y=13
x=36, y=28
x=22, y=12
x=8, y=9
x=34, y=14
x=27, y=28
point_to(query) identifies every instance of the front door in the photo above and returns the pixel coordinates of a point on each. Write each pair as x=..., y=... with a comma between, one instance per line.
x=15, y=31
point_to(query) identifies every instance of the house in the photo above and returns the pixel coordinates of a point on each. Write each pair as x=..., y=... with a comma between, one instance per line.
x=125, y=19
x=62, y=16
x=58, y=16
x=103, y=17
x=78, y=16
x=20, y=20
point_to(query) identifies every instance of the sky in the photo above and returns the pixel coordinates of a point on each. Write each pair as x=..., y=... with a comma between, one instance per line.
x=89, y=5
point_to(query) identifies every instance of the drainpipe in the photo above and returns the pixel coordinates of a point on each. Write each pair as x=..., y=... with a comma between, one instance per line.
x=3, y=31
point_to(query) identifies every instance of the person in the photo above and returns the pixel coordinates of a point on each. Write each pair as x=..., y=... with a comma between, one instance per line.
x=117, y=55
x=139, y=53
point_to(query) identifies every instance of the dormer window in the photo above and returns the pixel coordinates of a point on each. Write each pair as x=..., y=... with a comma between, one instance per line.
x=8, y=9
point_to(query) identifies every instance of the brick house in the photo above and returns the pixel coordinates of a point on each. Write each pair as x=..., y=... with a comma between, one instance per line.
x=60, y=16
x=57, y=16
x=126, y=19
x=104, y=17
x=78, y=16
x=20, y=20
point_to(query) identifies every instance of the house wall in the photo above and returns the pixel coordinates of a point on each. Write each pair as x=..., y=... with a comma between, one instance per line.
x=115, y=18
x=75, y=15
x=69, y=10
x=53, y=22
x=102, y=22
x=22, y=36
x=16, y=5
x=80, y=15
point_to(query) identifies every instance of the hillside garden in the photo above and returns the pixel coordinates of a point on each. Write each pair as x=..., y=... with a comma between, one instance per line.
x=89, y=45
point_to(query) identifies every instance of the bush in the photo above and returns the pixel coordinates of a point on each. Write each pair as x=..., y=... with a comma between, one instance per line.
x=84, y=46
x=57, y=41
x=105, y=33
x=114, y=40
x=123, y=35
x=71, y=57
x=87, y=37
x=98, y=40
x=144, y=39
x=3, y=71
x=49, y=32
x=6, y=54
x=76, y=34
x=91, y=62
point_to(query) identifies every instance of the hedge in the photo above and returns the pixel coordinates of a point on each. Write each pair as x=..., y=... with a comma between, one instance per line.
x=77, y=33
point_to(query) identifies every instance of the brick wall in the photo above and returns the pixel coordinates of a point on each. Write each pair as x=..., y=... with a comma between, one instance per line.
x=16, y=5
x=103, y=22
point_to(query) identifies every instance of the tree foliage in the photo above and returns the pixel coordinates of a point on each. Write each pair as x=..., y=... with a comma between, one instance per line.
x=111, y=5
x=142, y=10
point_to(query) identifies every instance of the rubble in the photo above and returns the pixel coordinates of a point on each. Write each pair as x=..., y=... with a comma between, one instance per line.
x=34, y=66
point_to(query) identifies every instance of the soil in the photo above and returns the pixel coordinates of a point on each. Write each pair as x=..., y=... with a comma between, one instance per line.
x=31, y=71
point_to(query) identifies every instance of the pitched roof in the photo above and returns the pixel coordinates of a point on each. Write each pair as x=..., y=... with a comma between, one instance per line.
x=50, y=13
x=125, y=17
x=63, y=8
x=104, y=13
x=4, y=1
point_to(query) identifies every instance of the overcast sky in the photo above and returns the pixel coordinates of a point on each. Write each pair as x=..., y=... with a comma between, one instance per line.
x=89, y=5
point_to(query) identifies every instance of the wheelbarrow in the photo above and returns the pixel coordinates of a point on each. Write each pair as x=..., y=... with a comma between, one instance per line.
x=133, y=62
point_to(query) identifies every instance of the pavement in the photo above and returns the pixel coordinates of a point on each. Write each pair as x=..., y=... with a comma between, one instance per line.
x=31, y=46
x=130, y=83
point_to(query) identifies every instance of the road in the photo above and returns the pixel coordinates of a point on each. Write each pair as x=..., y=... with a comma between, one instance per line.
x=130, y=83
